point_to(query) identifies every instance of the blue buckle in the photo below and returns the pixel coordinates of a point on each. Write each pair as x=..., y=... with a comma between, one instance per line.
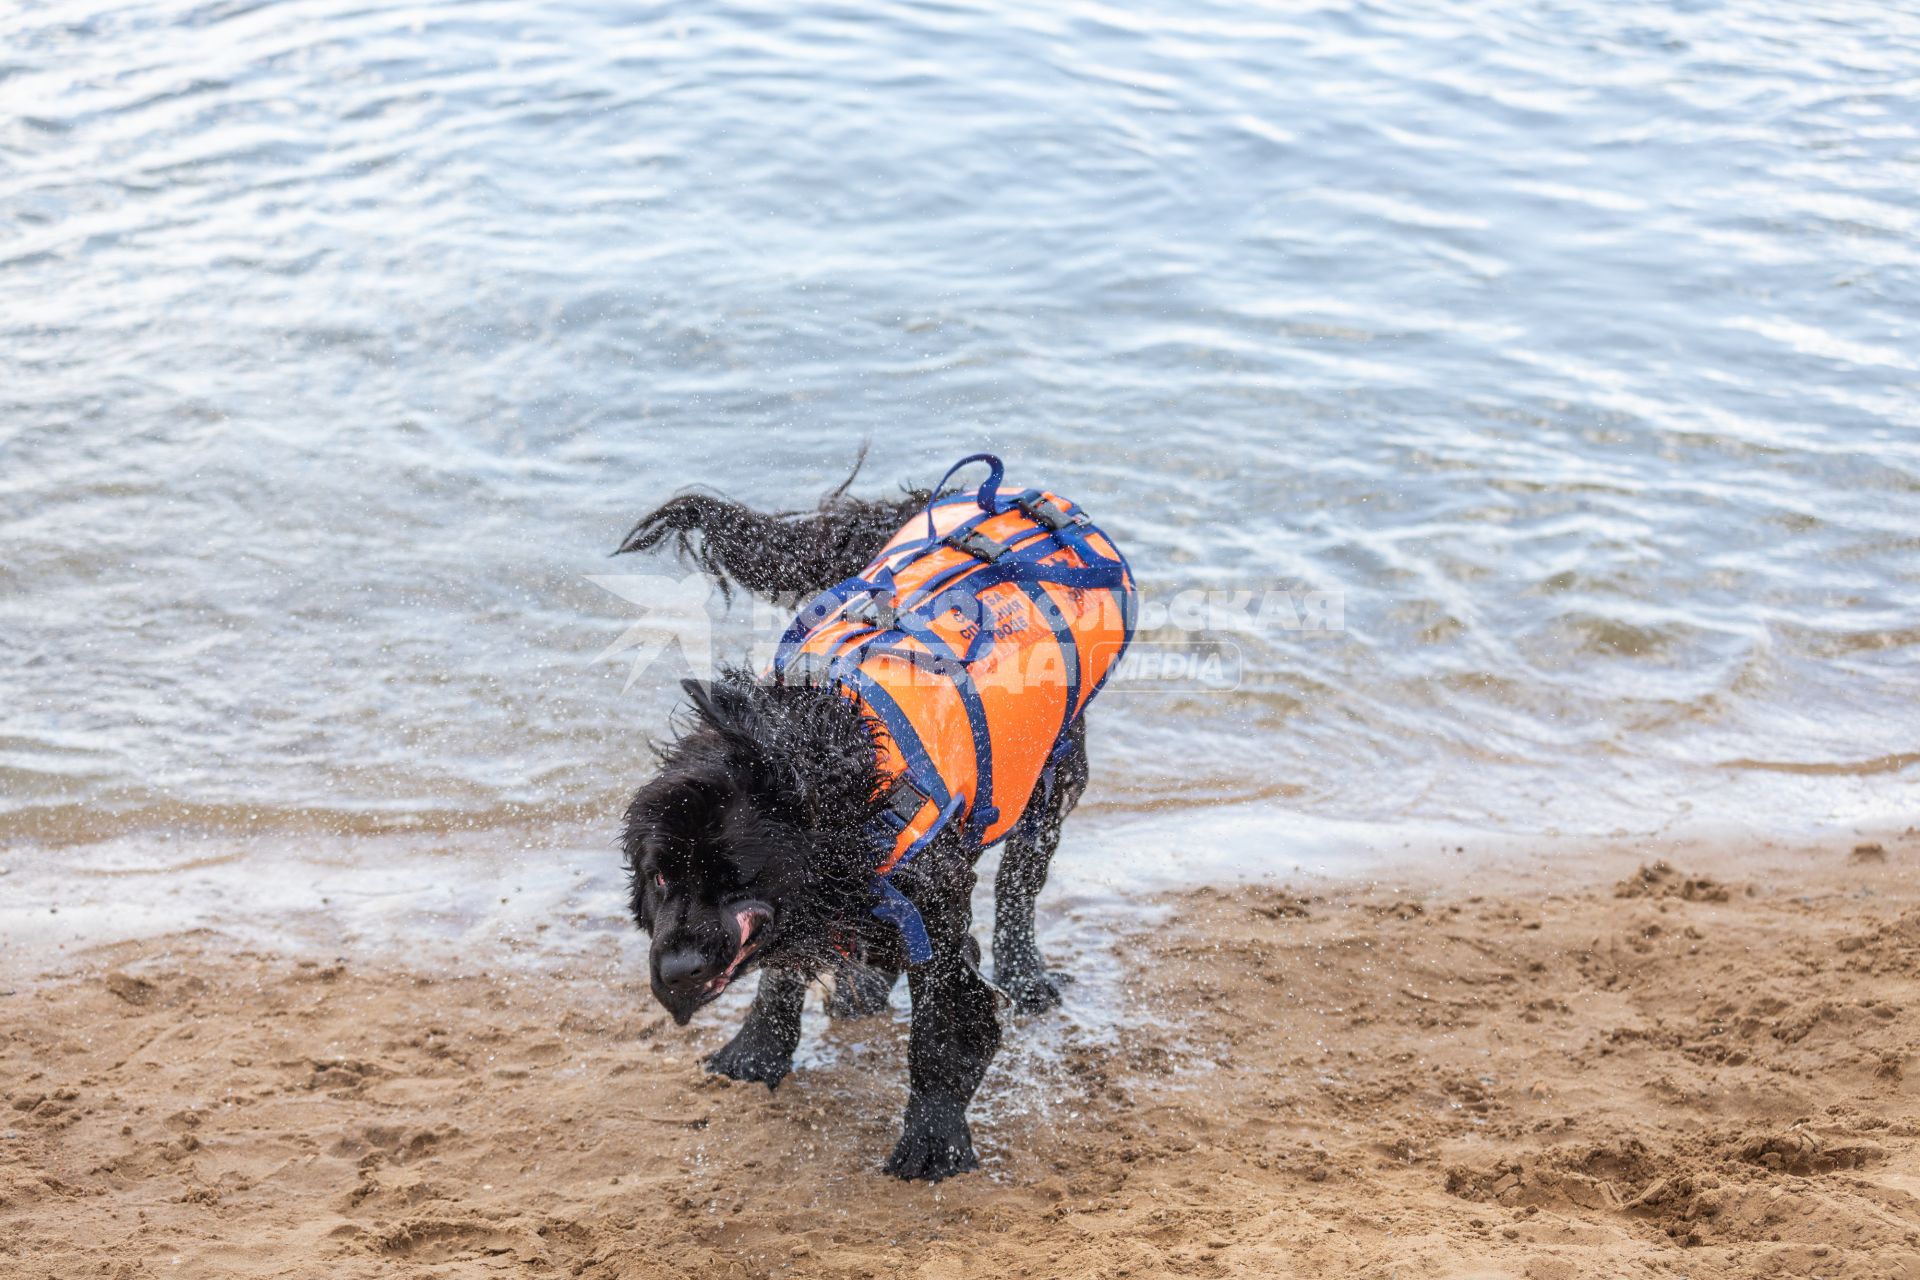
x=905, y=800
x=978, y=545
x=1050, y=513
x=876, y=611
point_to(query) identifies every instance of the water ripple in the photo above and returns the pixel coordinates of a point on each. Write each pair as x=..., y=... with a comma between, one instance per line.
x=1572, y=348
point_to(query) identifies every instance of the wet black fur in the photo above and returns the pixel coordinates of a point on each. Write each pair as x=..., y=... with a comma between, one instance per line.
x=784, y=555
x=766, y=796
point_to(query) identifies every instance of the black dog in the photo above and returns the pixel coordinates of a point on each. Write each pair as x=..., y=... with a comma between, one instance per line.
x=755, y=846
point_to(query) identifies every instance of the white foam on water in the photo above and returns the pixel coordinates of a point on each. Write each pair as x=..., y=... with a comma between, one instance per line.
x=555, y=899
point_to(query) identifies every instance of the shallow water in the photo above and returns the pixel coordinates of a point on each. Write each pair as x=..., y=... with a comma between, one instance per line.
x=1571, y=347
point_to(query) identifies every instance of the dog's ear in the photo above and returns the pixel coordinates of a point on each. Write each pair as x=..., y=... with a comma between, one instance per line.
x=729, y=711
x=701, y=693
x=716, y=704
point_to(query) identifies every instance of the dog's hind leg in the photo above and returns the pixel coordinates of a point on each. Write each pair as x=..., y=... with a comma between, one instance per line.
x=860, y=990
x=955, y=1034
x=1017, y=967
x=763, y=1048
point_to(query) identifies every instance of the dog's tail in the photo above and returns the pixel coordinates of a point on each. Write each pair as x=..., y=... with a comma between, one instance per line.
x=786, y=555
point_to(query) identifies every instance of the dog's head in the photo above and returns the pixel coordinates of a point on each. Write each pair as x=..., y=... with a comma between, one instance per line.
x=697, y=845
x=738, y=848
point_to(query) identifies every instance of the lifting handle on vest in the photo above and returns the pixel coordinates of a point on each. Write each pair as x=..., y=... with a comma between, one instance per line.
x=987, y=495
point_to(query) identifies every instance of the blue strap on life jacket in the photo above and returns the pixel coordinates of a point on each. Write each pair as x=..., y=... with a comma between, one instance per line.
x=894, y=908
x=920, y=766
x=891, y=905
x=943, y=661
x=1070, y=524
x=962, y=574
x=812, y=615
x=1129, y=623
x=1069, y=649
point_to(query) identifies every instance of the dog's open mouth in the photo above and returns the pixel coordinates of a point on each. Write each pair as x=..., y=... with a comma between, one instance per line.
x=751, y=923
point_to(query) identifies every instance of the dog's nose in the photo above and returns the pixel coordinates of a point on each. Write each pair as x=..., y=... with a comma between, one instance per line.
x=686, y=969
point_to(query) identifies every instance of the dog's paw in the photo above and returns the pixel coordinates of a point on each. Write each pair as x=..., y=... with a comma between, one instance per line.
x=750, y=1062
x=859, y=993
x=1033, y=990
x=935, y=1142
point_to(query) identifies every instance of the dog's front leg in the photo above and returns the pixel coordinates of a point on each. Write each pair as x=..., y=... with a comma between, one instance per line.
x=955, y=1034
x=763, y=1048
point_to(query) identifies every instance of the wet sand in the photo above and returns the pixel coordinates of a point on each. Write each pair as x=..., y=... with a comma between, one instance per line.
x=1581, y=1070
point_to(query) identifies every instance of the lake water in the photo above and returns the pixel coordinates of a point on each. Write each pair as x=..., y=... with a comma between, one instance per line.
x=1573, y=349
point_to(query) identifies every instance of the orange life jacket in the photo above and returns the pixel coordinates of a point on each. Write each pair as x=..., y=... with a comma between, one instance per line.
x=975, y=638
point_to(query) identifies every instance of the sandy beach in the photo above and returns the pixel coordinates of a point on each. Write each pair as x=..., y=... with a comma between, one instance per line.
x=1695, y=1065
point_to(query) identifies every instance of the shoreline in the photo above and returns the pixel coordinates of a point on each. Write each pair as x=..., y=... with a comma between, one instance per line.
x=553, y=898
x=1554, y=1072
